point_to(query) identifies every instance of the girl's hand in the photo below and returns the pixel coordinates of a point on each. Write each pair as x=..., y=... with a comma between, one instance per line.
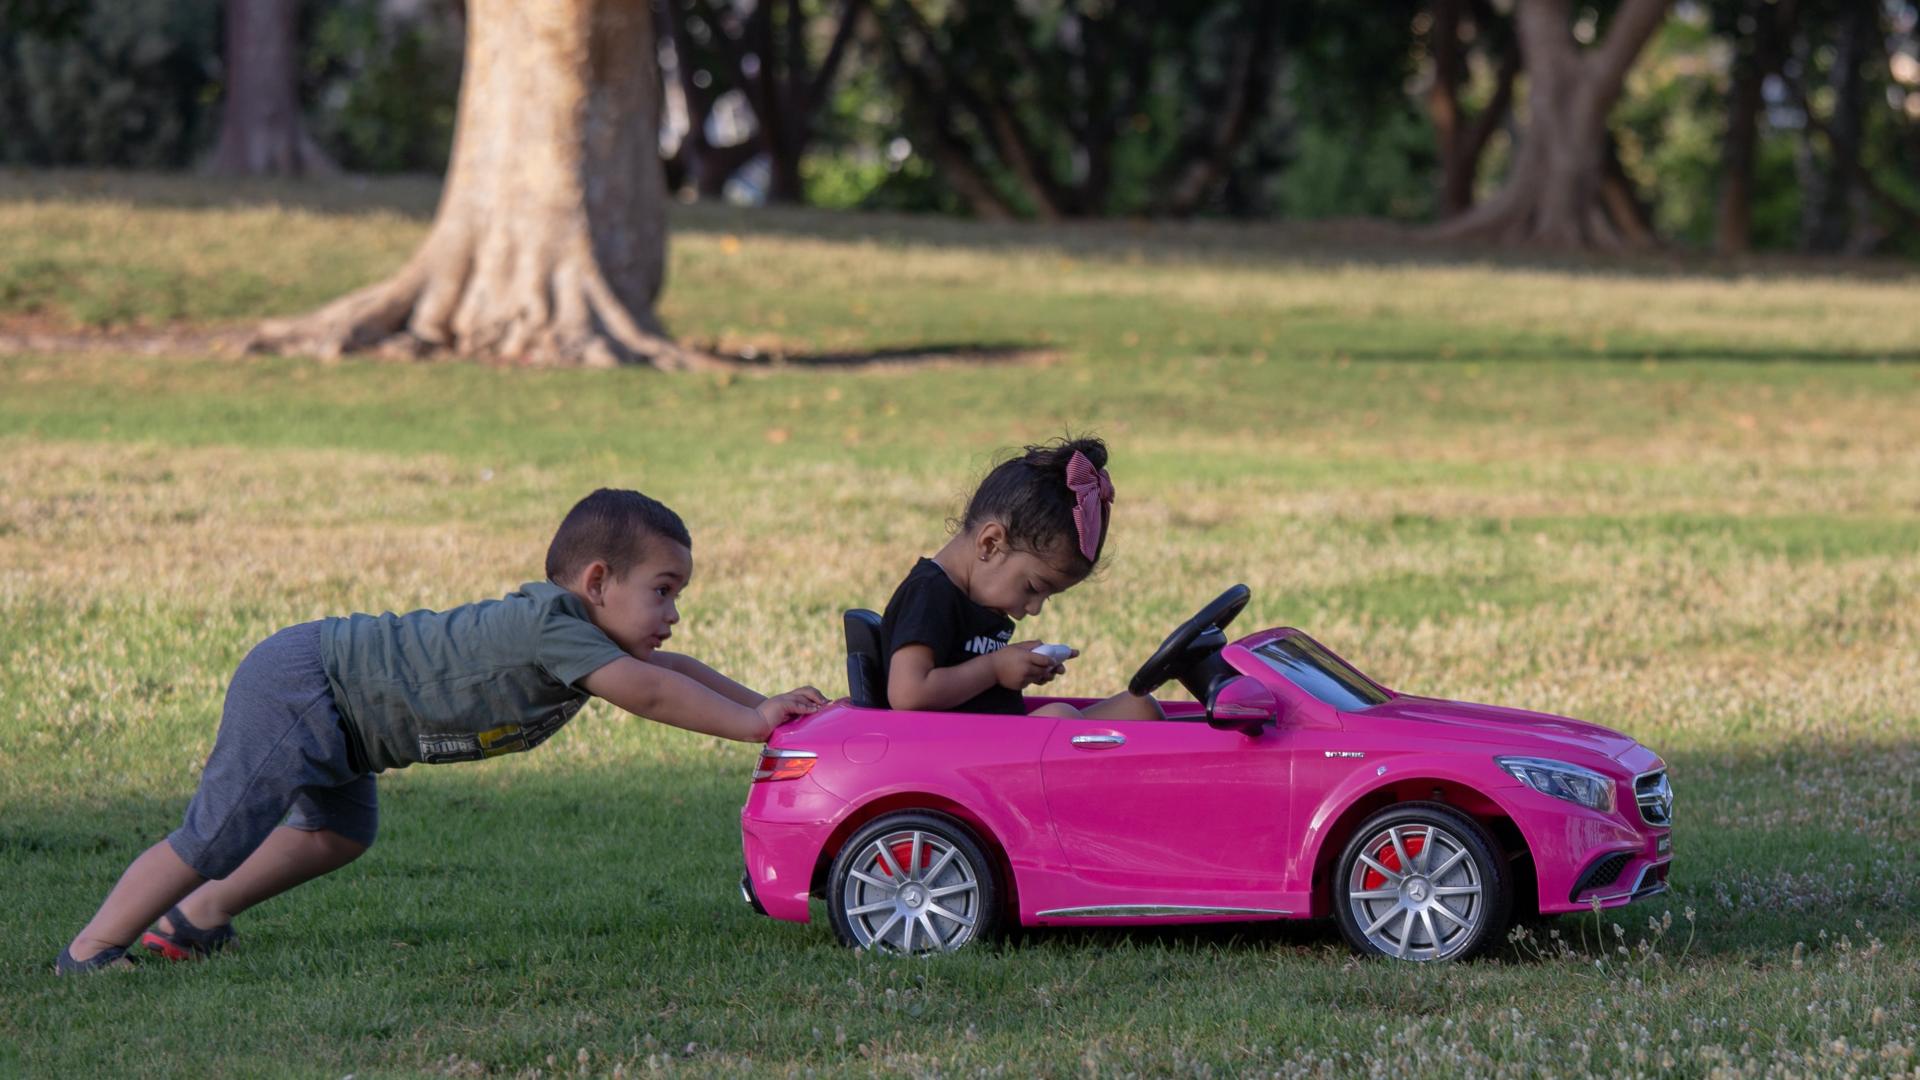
x=1017, y=666
x=781, y=708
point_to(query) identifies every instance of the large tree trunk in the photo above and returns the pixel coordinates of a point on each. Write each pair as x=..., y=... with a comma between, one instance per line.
x=549, y=246
x=1558, y=191
x=261, y=130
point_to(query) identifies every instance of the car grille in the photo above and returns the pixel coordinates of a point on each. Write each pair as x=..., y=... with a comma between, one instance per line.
x=1655, y=797
x=1604, y=872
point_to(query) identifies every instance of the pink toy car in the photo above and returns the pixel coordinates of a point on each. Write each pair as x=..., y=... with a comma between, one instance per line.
x=1301, y=789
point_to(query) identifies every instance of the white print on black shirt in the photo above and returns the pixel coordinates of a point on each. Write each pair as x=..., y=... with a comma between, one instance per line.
x=982, y=644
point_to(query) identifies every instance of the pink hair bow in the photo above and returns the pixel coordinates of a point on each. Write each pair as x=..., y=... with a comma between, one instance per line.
x=1092, y=493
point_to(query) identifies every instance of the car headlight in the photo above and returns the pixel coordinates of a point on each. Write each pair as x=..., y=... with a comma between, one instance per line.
x=1561, y=780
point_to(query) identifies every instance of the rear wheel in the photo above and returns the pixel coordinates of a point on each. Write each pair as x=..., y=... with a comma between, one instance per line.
x=1421, y=881
x=913, y=883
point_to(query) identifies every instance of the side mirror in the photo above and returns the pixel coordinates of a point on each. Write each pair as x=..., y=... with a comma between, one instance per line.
x=1243, y=704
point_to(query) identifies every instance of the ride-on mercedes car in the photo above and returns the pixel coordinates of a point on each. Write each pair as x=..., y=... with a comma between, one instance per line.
x=1292, y=787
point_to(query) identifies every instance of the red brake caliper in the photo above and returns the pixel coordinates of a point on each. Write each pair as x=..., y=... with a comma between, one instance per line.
x=1390, y=859
x=903, y=855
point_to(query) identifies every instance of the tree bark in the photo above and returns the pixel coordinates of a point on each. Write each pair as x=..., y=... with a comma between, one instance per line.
x=549, y=246
x=1862, y=239
x=1557, y=193
x=700, y=164
x=1755, y=59
x=785, y=89
x=1733, y=224
x=262, y=132
x=1462, y=141
x=1831, y=200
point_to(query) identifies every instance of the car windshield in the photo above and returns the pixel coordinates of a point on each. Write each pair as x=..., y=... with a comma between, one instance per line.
x=1312, y=668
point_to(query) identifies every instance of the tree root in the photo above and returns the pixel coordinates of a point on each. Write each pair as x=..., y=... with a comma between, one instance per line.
x=569, y=320
x=1514, y=218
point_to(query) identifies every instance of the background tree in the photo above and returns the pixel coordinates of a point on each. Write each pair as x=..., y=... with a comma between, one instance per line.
x=1853, y=122
x=1758, y=31
x=549, y=245
x=1833, y=195
x=1353, y=137
x=126, y=87
x=766, y=50
x=1565, y=186
x=262, y=132
x=1459, y=31
x=382, y=79
x=1070, y=109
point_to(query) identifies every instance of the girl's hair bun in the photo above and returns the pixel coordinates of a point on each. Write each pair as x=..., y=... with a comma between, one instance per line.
x=1028, y=494
x=1056, y=454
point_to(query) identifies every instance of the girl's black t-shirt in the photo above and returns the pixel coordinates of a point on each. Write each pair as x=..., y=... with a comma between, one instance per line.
x=929, y=609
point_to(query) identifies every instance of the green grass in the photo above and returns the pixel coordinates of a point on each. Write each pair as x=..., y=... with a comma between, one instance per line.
x=1679, y=501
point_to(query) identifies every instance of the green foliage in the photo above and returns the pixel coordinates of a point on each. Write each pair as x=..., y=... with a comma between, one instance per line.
x=1113, y=102
x=852, y=163
x=1672, y=119
x=1776, y=194
x=136, y=83
x=124, y=84
x=1669, y=124
x=52, y=18
x=385, y=91
x=856, y=180
x=1387, y=170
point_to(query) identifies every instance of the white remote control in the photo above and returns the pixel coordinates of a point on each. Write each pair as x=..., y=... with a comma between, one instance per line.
x=1057, y=653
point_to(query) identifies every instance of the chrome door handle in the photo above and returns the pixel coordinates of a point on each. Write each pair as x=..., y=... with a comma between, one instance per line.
x=1098, y=742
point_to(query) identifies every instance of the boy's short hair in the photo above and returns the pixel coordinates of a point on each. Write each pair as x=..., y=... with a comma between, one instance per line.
x=611, y=526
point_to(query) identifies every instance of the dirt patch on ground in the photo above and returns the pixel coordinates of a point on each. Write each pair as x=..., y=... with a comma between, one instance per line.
x=37, y=334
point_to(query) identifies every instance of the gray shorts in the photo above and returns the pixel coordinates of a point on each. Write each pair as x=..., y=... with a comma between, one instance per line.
x=281, y=755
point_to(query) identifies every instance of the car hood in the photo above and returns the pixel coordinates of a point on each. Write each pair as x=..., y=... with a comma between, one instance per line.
x=1519, y=730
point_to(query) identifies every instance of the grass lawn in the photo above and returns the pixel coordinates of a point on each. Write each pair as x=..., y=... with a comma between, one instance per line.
x=1679, y=501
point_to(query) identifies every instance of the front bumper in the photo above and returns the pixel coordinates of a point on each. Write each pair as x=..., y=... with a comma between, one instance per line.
x=1638, y=879
x=1583, y=858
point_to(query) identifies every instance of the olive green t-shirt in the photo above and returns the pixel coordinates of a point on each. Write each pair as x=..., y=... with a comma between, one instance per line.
x=471, y=682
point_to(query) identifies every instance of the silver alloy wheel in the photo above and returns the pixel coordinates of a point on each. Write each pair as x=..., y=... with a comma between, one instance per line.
x=1431, y=901
x=911, y=891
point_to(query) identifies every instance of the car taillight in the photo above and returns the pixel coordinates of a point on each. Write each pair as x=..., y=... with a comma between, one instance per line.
x=783, y=764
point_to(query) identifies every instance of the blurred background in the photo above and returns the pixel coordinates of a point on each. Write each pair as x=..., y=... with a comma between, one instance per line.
x=1767, y=125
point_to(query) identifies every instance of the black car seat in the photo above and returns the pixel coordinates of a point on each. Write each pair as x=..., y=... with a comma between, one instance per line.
x=866, y=659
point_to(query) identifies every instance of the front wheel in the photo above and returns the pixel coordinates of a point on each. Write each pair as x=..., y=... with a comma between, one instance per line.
x=913, y=883
x=1421, y=881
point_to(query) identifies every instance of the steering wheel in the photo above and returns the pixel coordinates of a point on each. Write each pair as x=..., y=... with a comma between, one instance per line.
x=1188, y=648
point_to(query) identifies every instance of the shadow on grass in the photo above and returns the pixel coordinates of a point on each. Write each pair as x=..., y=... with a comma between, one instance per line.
x=1775, y=844
x=940, y=352
x=1301, y=935
x=1313, y=243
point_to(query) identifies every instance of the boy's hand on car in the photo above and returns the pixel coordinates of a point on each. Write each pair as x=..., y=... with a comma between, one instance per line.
x=1017, y=666
x=780, y=708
